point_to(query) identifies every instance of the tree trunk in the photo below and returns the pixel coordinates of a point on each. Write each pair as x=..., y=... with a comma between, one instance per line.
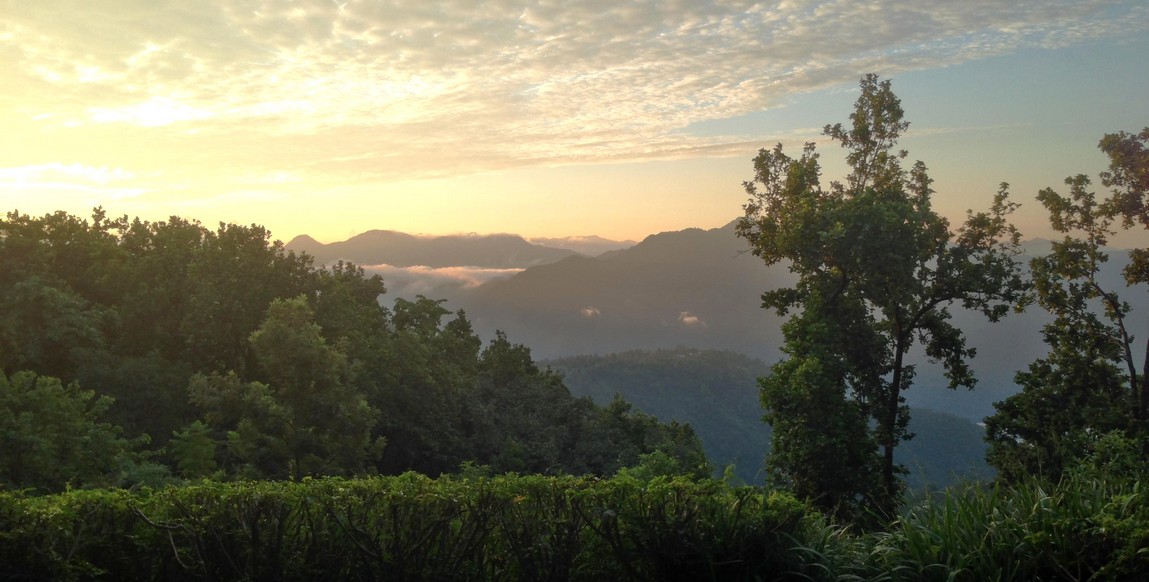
x=1141, y=401
x=888, y=504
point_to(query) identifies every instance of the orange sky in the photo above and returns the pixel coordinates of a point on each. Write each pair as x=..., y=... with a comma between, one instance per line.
x=546, y=119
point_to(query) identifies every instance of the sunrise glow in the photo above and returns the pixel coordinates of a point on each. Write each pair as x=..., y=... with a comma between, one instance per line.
x=544, y=119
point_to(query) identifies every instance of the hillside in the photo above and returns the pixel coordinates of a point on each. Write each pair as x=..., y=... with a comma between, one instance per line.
x=692, y=287
x=717, y=393
x=695, y=287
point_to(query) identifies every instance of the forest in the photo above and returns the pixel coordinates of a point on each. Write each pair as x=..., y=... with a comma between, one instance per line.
x=148, y=353
x=181, y=402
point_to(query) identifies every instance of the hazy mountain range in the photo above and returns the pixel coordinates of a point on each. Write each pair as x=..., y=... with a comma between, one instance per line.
x=696, y=288
x=591, y=246
x=387, y=247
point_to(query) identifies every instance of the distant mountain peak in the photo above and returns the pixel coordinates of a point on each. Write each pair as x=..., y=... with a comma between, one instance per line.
x=303, y=239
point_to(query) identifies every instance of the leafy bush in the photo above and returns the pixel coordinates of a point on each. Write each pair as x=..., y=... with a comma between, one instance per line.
x=406, y=527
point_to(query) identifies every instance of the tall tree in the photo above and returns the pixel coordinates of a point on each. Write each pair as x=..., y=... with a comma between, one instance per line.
x=1090, y=383
x=1128, y=176
x=878, y=270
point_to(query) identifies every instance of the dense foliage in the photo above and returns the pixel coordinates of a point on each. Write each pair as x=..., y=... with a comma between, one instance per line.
x=407, y=528
x=252, y=400
x=1092, y=525
x=1090, y=383
x=878, y=270
x=135, y=351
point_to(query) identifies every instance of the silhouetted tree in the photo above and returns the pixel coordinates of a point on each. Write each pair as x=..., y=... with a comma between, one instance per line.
x=878, y=269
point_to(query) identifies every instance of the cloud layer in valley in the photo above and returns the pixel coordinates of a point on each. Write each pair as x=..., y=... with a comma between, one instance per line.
x=410, y=282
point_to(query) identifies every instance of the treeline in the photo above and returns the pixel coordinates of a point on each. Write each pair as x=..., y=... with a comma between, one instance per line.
x=137, y=351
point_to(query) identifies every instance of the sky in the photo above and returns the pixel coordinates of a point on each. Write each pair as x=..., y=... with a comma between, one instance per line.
x=542, y=118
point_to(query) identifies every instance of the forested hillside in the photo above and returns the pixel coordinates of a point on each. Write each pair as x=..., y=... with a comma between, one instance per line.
x=717, y=393
x=137, y=351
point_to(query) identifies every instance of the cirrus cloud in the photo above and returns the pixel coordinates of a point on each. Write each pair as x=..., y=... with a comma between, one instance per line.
x=392, y=89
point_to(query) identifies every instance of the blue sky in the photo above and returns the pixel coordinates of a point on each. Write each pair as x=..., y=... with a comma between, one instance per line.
x=537, y=117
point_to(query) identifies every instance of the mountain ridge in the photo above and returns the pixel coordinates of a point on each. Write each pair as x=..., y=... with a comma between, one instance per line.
x=388, y=247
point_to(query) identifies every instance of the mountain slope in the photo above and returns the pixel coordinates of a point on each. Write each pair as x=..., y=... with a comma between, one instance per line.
x=692, y=287
x=717, y=393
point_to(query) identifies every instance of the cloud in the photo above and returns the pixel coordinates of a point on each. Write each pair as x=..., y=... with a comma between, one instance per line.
x=53, y=171
x=408, y=282
x=106, y=182
x=157, y=111
x=590, y=312
x=399, y=89
x=690, y=320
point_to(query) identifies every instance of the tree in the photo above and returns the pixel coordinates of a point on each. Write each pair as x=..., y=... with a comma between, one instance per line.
x=194, y=450
x=54, y=436
x=878, y=270
x=234, y=276
x=48, y=329
x=1089, y=384
x=302, y=417
x=1128, y=175
x=818, y=430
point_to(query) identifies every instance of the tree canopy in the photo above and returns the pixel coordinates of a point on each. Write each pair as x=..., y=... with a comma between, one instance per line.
x=1090, y=383
x=878, y=270
x=227, y=356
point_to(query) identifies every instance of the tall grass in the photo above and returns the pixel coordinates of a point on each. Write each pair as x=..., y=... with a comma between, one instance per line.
x=1079, y=529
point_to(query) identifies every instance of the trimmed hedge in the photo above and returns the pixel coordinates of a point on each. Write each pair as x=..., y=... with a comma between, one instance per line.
x=408, y=527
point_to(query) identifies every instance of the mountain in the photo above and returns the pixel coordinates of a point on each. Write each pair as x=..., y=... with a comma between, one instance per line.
x=697, y=288
x=385, y=247
x=717, y=393
x=305, y=244
x=701, y=289
x=692, y=287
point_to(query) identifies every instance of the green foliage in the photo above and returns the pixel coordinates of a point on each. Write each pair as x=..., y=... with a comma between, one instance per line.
x=194, y=451
x=53, y=435
x=289, y=370
x=1093, y=525
x=328, y=423
x=407, y=527
x=1089, y=384
x=821, y=448
x=877, y=272
x=234, y=276
x=714, y=391
x=1088, y=526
